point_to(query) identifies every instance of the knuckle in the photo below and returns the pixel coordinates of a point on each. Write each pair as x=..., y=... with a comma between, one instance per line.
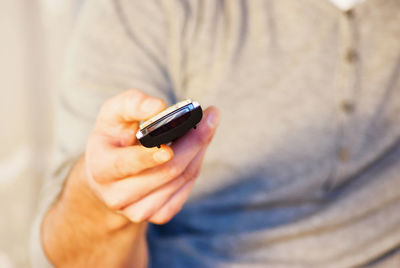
x=190, y=173
x=180, y=181
x=196, y=173
x=134, y=218
x=187, y=174
x=137, y=215
x=118, y=167
x=112, y=202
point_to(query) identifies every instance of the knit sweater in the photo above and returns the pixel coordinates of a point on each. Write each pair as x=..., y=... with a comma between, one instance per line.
x=304, y=170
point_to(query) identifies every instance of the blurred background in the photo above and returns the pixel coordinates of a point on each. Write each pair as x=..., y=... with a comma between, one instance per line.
x=33, y=39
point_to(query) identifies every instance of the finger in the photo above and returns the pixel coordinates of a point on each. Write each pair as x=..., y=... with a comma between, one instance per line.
x=170, y=208
x=144, y=208
x=131, y=105
x=131, y=189
x=119, y=116
x=174, y=205
x=188, y=146
x=121, y=162
x=141, y=210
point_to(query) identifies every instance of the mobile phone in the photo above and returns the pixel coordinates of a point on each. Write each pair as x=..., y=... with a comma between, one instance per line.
x=170, y=124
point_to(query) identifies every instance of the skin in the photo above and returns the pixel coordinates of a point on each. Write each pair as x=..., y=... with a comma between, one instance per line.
x=118, y=186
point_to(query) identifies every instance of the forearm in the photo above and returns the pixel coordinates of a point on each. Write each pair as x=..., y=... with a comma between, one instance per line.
x=80, y=231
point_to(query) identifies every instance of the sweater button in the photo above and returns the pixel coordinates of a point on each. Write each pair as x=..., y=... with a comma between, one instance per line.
x=347, y=106
x=351, y=56
x=343, y=154
x=349, y=13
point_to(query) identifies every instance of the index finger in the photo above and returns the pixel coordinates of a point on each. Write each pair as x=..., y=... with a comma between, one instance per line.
x=130, y=106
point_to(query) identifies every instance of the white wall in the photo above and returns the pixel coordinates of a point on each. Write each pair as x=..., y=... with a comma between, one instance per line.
x=33, y=38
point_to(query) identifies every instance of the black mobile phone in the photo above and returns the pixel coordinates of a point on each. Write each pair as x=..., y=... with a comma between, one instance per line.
x=170, y=124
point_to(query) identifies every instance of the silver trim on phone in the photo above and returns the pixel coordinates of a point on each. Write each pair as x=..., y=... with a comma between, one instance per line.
x=175, y=110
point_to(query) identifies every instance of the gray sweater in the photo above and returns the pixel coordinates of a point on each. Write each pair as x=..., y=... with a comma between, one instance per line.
x=304, y=170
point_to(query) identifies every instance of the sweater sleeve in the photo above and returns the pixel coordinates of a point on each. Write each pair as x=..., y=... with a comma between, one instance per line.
x=117, y=45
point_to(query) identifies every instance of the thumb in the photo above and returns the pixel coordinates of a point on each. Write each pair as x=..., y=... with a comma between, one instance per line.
x=120, y=115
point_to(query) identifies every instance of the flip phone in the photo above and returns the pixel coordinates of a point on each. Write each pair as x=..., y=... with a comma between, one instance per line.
x=170, y=124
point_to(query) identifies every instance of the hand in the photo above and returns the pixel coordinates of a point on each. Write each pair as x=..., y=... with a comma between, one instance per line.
x=144, y=184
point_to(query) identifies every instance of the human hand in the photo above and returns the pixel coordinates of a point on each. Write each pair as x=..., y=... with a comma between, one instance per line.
x=144, y=184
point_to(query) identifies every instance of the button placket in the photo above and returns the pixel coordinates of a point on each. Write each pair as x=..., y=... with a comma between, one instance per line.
x=345, y=84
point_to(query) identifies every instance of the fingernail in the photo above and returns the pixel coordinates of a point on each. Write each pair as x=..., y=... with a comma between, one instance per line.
x=212, y=120
x=161, y=156
x=149, y=105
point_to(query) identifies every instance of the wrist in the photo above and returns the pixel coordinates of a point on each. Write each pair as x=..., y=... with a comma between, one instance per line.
x=79, y=224
x=80, y=200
